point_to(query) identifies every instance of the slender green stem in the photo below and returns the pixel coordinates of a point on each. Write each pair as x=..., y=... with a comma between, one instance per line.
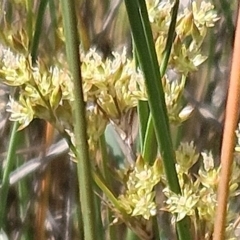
x=156, y=228
x=142, y=109
x=143, y=39
x=83, y=166
x=99, y=181
x=23, y=196
x=170, y=39
x=29, y=4
x=149, y=65
x=150, y=144
x=38, y=29
x=104, y=156
x=106, y=175
x=53, y=15
x=14, y=139
x=149, y=148
x=98, y=218
x=131, y=235
x=226, y=8
x=143, y=115
x=108, y=193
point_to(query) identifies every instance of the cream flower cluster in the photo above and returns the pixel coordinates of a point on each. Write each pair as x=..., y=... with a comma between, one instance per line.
x=139, y=197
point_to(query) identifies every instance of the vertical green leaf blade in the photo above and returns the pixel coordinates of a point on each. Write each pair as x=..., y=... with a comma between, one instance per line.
x=147, y=57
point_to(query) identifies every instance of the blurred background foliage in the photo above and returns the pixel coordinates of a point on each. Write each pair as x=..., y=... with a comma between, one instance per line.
x=45, y=201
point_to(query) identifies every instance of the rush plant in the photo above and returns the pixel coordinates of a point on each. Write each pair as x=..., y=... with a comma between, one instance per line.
x=81, y=91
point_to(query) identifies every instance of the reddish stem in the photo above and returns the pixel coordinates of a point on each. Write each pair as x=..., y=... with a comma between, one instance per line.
x=228, y=143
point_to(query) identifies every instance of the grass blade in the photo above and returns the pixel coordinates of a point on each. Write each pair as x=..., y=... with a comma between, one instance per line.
x=142, y=36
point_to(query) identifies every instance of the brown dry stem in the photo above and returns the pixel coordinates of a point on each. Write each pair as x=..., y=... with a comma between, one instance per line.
x=228, y=143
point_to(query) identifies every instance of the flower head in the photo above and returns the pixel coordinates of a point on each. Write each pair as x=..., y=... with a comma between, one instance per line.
x=138, y=199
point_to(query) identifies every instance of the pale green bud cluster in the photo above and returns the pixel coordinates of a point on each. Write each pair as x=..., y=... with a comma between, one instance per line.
x=191, y=29
x=204, y=15
x=113, y=84
x=96, y=125
x=199, y=191
x=43, y=93
x=111, y=87
x=173, y=91
x=184, y=204
x=139, y=197
x=186, y=156
x=198, y=198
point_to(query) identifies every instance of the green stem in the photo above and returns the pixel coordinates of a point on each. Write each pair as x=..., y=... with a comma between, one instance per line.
x=38, y=29
x=108, y=193
x=83, y=165
x=226, y=8
x=143, y=39
x=104, y=156
x=170, y=39
x=53, y=15
x=106, y=175
x=150, y=147
x=98, y=218
x=156, y=228
x=149, y=65
x=98, y=180
x=23, y=196
x=14, y=139
x=131, y=235
x=29, y=4
x=143, y=115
